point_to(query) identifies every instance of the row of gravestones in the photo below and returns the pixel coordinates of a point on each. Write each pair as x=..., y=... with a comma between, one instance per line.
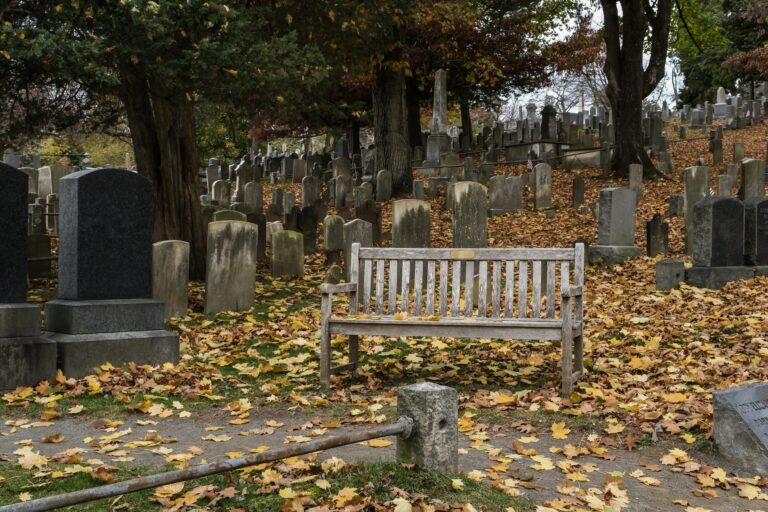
x=105, y=310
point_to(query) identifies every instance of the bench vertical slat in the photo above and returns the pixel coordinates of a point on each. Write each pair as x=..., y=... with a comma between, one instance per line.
x=509, y=290
x=443, y=287
x=379, y=287
x=405, y=291
x=418, y=281
x=431, y=287
x=578, y=278
x=456, y=291
x=354, y=272
x=367, y=285
x=565, y=270
x=536, y=295
x=392, y=305
x=522, y=290
x=469, y=287
x=550, y=289
x=496, y=289
x=482, y=290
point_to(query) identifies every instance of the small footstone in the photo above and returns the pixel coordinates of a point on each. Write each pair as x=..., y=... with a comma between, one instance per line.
x=669, y=274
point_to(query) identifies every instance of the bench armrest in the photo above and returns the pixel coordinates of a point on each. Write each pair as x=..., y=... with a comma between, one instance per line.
x=573, y=291
x=327, y=288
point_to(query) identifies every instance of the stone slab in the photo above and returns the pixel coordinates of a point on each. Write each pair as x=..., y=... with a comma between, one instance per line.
x=741, y=426
x=19, y=320
x=716, y=277
x=613, y=254
x=79, y=354
x=103, y=316
x=25, y=361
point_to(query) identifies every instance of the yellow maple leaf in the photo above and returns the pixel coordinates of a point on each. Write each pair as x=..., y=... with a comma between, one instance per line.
x=560, y=431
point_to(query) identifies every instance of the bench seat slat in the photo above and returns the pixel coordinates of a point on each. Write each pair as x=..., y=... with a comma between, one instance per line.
x=496, y=289
x=536, y=294
x=443, y=287
x=418, y=281
x=456, y=290
x=452, y=328
x=509, y=253
x=431, y=287
x=392, y=305
x=380, y=286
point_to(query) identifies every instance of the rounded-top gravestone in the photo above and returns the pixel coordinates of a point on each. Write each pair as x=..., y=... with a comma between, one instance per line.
x=105, y=247
x=13, y=234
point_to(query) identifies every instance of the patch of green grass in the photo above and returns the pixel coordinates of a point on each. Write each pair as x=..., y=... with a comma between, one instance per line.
x=379, y=480
x=18, y=481
x=541, y=420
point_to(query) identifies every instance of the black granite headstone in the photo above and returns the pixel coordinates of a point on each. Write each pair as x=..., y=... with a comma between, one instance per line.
x=13, y=234
x=657, y=236
x=756, y=231
x=578, y=191
x=307, y=224
x=105, y=247
x=718, y=232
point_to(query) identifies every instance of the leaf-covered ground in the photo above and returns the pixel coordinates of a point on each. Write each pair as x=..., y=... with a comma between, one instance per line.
x=653, y=360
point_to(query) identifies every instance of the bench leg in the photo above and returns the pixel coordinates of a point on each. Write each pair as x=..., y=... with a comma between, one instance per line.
x=579, y=354
x=567, y=362
x=325, y=357
x=354, y=349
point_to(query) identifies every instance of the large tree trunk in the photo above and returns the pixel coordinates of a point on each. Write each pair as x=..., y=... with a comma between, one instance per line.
x=390, y=122
x=163, y=134
x=413, y=104
x=628, y=83
x=466, y=120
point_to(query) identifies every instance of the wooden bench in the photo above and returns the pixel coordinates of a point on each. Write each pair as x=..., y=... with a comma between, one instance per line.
x=440, y=299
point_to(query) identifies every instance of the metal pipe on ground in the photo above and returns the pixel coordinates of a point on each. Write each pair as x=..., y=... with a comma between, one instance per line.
x=403, y=427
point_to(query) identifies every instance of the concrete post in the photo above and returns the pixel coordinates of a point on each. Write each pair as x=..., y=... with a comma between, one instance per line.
x=434, y=442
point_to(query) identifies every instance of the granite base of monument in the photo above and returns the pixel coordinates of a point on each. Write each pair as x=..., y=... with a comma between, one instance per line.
x=90, y=333
x=716, y=277
x=761, y=271
x=613, y=254
x=25, y=357
x=740, y=426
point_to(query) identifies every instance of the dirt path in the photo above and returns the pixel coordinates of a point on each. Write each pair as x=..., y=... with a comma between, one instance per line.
x=209, y=437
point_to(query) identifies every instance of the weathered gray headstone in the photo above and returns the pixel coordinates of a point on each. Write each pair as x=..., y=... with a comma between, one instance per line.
x=231, y=266
x=221, y=215
x=49, y=177
x=470, y=215
x=343, y=186
x=287, y=254
x=411, y=221
x=696, y=188
x=253, y=196
x=221, y=193
x=724, y=185
x=676, y=205
x=383, y=185
x=170, y=275
x=310, y=190
x=752, y=179
x=578, y=192
x=616, y=227
x=356, y=231
x=542, y=177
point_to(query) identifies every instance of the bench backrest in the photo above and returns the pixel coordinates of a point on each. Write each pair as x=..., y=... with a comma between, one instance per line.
x=490, y=283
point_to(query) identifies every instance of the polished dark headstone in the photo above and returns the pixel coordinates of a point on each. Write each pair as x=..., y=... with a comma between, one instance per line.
x=756, y=231
x=105, y=248
x=13, y=234
x=718, y=232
